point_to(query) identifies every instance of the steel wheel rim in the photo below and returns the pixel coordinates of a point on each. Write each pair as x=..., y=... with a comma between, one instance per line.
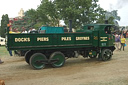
x=60, y=59
x=106, y=54
x=36, y=58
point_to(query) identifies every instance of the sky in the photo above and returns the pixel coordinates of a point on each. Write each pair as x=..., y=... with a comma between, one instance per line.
x=120, y=5
x=12, y=7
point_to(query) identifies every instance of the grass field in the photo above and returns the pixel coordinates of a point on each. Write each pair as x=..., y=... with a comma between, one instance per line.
x=3, y=51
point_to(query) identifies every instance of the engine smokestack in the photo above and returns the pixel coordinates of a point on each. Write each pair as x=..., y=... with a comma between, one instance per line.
x=70, y=25
x=106, y=21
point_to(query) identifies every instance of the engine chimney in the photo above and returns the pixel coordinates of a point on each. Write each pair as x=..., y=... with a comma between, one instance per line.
x=70, y=25
x=106, y=21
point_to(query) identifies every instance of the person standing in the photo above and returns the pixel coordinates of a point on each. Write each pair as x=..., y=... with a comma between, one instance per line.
x=10, y=52
x=123, y=40
x=2, y=82
x=1, y=61
x=10, y=32
x=117, y=41
x=24, y=30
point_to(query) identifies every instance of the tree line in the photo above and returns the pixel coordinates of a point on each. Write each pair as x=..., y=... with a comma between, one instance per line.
x=50, y=12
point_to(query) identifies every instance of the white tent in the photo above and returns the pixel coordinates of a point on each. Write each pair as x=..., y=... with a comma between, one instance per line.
x=2, y=41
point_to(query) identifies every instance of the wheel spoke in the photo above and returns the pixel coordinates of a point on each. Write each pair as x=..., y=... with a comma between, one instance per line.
x=106, y=54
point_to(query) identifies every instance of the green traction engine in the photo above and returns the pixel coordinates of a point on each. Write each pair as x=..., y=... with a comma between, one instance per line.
x=93, y=40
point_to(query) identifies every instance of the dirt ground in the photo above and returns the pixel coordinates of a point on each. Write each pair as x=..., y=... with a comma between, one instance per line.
x=76, y=71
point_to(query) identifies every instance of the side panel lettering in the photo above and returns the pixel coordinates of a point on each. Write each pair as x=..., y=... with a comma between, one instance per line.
x=82, y=38
x=22, y=39
x=66, y=39
x=42, y=39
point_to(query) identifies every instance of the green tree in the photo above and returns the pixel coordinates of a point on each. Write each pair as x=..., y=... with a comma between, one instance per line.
x=32, y=15
x=32, y=18
x=4, y=22
x=48, y=13
x=100, y=18
x=80, y=11
x=28, y=21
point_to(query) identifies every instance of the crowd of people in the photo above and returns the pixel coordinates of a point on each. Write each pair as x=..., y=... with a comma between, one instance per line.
x=22, y=30
x=120, y=40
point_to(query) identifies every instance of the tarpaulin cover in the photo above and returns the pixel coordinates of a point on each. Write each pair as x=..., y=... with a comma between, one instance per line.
x=53, y=29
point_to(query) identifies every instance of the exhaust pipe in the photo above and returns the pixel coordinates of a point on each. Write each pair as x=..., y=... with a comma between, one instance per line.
x=70, y=25
x=106, y=21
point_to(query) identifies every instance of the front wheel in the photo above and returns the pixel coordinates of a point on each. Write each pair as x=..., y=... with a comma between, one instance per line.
x=106, y=54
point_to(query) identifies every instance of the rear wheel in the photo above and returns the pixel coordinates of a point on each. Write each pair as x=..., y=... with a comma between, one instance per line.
x=28, y=54
x=57, y=59
x=106, y=54
x=36, y=61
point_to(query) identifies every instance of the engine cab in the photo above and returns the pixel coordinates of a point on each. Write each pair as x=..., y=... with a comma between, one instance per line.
x=101, y=34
